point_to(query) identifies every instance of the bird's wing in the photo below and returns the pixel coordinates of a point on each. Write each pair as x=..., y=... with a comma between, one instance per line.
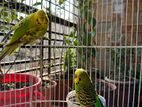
x=102, y=100
x=20, y=31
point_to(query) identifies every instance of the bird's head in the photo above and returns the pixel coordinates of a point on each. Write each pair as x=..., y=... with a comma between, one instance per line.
x=81, y=79
x=42, y=17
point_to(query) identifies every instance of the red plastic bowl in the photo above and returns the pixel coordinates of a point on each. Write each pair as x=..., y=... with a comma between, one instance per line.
x=18, y=97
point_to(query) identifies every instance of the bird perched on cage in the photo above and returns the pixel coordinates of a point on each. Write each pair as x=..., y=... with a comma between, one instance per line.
x=27, y=31
x=85, y=91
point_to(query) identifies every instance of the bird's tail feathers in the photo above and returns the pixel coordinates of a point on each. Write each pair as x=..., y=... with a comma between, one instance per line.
x=7, y=51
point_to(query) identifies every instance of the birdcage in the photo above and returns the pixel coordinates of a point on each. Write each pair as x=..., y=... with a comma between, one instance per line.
x=43, y=43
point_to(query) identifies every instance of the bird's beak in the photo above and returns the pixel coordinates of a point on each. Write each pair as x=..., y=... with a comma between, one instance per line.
x=42, y=18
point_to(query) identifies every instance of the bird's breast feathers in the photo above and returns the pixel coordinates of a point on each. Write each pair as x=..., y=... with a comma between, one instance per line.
x=33, y=35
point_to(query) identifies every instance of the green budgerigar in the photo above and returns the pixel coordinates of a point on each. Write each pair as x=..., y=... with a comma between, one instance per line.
x=27, y=31
x=85, y=91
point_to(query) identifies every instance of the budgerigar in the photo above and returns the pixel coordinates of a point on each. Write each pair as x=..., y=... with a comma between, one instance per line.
x=27, y=31
x=85, y=91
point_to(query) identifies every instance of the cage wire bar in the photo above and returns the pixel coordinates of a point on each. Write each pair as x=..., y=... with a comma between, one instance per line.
x=31, y=63
x=101, y=36
x=119, y=22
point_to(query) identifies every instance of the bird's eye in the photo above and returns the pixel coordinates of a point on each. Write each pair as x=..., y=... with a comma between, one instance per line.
x=79, y=79
x=37, y=21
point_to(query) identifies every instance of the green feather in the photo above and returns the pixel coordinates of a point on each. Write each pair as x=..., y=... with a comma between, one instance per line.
x=85, y=90
x=33, y=27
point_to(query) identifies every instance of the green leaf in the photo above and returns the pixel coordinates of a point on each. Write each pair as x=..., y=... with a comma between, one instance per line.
x=61, y=2
x=75, y=43
x=94, y=22
x=7, y=19
x=65, y=36
x=36, y=4
x=69, y=58
x=93, y=52
x=21, y=17
x=93, y=33
x=89, y=17
x=1, y=44
x=14, y=16
x=5, y=14
x=72, y=34
x=67, y=41
x=84, y=28
x=6, y=27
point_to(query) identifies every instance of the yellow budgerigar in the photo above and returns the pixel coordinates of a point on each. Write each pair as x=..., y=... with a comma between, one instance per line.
x=27, y=31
